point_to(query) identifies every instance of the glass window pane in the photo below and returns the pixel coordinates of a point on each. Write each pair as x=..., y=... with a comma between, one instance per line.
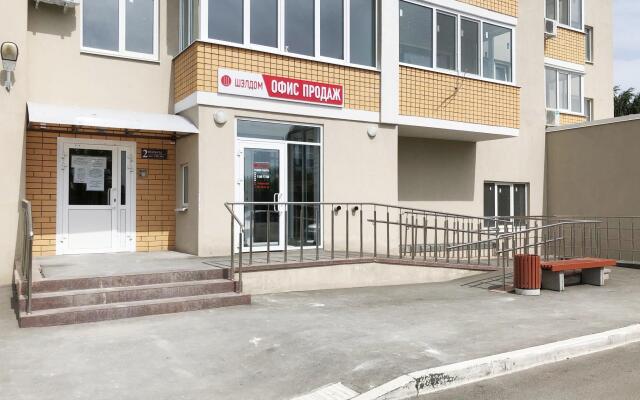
x=332, y=28
x=261, y=183
x=195, y=20
x=90, y=177
x=504, y=200
x=576, y=14
x=363, y=32
x=564, y=12
x=576, y=93
x=520, y=200
x=139, y=26
x=563, y=88
x=100, y=24
x=123, y=178
x=588, y=109
x=496, y=48
x=469, y=46
x=489, y=200
x=416, y=34
x=264, y=22
x=304, y=186
x=275, y=131
x=226, y=20
x=184, y=24
x=446, y=45
x=551, y=88
x=299, y=27
x=589, y=43
x=551, y=9
x=185, y=184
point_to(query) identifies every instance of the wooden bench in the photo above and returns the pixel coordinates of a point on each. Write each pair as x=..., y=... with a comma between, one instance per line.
x=592, y=271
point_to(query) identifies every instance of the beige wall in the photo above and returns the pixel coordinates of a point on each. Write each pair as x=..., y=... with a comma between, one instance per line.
x=594, y=170
x=12, y=125
x=450, y=176
x=355, y=168
x=187, y=221
x=59, y=73
x=599, y=78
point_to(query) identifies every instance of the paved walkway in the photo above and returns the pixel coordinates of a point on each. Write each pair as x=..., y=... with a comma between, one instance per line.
x=289, y=344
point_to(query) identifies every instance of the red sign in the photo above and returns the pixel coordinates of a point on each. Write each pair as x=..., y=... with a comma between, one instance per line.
x=280, y=88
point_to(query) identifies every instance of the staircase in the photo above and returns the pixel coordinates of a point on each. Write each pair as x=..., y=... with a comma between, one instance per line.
x=91, y=299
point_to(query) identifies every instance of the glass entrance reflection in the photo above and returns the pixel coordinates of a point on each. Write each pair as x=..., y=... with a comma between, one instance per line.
x=262, y=184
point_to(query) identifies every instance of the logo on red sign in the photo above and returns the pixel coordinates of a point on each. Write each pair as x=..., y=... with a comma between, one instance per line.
x=226, y=80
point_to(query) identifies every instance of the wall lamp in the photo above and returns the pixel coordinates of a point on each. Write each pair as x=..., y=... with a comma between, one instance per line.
x=9, y=54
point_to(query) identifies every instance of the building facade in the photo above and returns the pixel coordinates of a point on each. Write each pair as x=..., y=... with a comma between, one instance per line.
x=131, y=123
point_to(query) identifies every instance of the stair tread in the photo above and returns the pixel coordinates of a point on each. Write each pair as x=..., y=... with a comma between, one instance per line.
x=135, y=274
x=44, y=295
x=54, y=311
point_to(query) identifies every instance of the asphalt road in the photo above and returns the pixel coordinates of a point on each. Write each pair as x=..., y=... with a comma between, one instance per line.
x=610, y=375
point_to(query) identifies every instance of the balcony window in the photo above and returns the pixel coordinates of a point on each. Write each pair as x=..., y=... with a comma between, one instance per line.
x=588, y=42
x=588, y=109
x=416, y=34
x=564, y=91
x=264, y=24
x=299, y=27
x=226, y=20
x=120, y=27
x=189, y=22
x=332, y=28
x=458, y=43
x=566, y=12
x=363, y=32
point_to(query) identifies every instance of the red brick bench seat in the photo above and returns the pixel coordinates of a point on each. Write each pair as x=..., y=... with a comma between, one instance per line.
x=592, y=271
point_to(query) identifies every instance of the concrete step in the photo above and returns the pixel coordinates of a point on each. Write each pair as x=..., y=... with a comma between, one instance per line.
x=152, y=278
x=90, y=297
x=104, y=312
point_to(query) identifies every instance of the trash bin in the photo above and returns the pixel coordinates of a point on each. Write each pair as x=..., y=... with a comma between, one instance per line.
x=527, y=274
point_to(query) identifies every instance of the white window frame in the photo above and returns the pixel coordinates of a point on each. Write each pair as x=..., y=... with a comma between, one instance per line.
x=557, y=18
x=588, y=109
x=582, y=97
x=588, y=32
x=511, y=197
x=280, y=50
x=481, y=21
x=184, y=202
x=189, y=11
x=122, y=52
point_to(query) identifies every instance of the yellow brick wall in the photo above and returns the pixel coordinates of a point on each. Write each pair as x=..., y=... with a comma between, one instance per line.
x=508, y=7
x=436, y=95
x=568, y=46
x=155, y=194
x=196, y=69
x=569, y=119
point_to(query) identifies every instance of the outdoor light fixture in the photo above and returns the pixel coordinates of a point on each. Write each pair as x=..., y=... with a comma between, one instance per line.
x=372, y=131
x=9, y=54
x=220, y=117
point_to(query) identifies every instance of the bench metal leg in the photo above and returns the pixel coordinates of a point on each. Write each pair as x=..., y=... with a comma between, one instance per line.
x=594, y=276
x=553, y=280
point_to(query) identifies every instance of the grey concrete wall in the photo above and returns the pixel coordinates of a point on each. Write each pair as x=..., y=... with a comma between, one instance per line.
x=594, y=170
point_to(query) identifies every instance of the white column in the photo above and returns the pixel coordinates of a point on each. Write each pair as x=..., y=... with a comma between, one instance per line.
x=389, y=61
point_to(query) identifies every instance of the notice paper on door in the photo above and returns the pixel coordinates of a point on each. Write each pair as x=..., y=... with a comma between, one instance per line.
x=89, y=170
x=95, y=180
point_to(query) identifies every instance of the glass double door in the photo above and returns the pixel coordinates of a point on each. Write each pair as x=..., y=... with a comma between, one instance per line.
x=269, y=175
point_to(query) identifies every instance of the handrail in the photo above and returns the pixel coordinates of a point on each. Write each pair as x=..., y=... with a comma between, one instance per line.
x=27, y=252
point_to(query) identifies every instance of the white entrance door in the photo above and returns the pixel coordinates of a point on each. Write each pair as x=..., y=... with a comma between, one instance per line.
x=261, y=173
x=96, y=196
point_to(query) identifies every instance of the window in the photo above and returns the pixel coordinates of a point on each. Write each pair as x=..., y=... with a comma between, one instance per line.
x=416, y=34
x=470, y=46
x=506, y=201
x=189, y=22
x=363, y=32
x=588, y=109
x=588, y=44
x=299, y=27
x=185, y=185
x=564, y=90
x=466, y=39
x=566, y=12
x=446, y=41
x=121, y=27
x=264, y=24
x=332, y=28
x=497, y=58
x=226, y=20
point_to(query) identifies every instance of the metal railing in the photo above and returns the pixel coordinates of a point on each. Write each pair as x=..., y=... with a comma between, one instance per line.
x=26, y=254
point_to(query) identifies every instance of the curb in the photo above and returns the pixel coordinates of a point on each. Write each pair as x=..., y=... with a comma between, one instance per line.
x=449, y=376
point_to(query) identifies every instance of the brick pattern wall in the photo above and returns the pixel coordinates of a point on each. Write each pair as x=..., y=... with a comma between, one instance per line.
x=431, y=94
x=155, y=194
x=508, y=7
x=570, y=119
x=196, y=69
x=568, y=46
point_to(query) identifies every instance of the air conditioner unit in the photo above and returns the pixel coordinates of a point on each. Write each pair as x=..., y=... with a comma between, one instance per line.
x=553, y=118
x=62, y=3
x=550, y=28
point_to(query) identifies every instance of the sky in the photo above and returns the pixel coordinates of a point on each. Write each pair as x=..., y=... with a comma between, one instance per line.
x=626, y=43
